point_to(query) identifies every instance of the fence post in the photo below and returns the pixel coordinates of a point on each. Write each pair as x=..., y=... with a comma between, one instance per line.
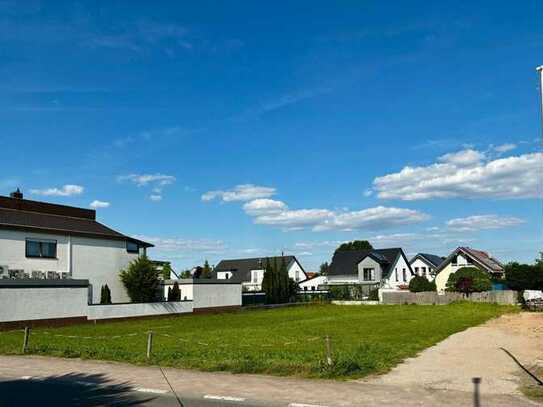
x=149, y=344
x=328, y=350
x=25, y=339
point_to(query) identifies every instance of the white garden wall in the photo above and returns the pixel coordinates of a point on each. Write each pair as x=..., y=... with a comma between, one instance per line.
x=210, y=295
x=97, y=312
x=42, y=301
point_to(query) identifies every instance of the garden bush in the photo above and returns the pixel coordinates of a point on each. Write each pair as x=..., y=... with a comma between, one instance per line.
x=140, y=279
x=469, y=280
x=420, y=284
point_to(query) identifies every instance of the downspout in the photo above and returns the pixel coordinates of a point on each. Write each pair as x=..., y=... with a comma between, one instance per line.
x=70, y=255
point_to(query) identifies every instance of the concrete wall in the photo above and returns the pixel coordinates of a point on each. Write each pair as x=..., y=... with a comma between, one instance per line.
x=428, y=298
x=97, y=312
x=42, y=300
x=208, y=295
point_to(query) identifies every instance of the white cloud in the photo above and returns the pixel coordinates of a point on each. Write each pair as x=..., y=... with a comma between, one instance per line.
x=99, y=204
x=155, y=197
x=245, y=192
x=145, y=179
x=379, y=217
x=463, y=158
x=166, y=244
x=277, y=213
x=482, y=222
x=368, y=192
x=264, y=206
x=66, y=190
x=505, y=147
x=466, y=174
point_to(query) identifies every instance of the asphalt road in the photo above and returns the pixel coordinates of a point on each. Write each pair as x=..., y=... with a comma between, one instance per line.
x=69, y=391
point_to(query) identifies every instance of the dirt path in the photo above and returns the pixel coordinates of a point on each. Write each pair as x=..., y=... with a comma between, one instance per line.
x=451, y=364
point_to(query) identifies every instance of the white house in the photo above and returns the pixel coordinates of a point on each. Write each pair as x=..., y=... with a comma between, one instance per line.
x=387, y=268
x=466, y=257
x=313, y=283
x=44, y=240
x=424, y=264
x=250, y=272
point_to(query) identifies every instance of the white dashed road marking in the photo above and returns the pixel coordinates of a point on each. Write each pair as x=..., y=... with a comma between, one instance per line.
x=225, y=398
x=155, y=391
x=304, y=405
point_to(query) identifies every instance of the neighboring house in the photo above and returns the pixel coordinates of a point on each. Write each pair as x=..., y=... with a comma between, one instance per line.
x=466, y=257
x=44, y=240
x=250, y=272
x=388, y=268
x=313, y=283
x=424, y=264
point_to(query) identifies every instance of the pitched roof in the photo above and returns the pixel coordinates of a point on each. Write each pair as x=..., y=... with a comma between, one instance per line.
x=433, y=259
x=241, y=268
x=481, y=258
x=23, y=214
x=346, y=262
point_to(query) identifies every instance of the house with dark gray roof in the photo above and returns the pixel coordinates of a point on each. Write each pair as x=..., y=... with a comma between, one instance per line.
x=250, y=272
x=44, y=240
x=387, y=268
x=466, y=257
x=425, y=264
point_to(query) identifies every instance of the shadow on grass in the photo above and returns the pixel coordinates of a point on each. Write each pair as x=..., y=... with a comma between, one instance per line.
x=68, y=390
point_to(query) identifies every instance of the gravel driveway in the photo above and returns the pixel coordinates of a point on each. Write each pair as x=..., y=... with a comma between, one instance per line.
x=454, y=362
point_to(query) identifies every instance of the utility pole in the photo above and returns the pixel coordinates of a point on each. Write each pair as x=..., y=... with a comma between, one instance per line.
x=540, y=70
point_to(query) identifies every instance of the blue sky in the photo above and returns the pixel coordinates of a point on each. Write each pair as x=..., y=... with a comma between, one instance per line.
x=233, y=129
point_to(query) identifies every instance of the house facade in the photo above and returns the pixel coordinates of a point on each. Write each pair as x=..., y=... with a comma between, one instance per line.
x=250, y=272
x=387, y=268
x=41, y=240
x=466, y=257
x=425, y=264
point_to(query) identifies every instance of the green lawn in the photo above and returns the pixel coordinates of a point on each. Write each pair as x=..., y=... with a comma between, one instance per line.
x=287, y=341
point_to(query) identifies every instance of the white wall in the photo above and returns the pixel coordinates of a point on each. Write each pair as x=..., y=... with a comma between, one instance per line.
x=21, y=304
x=216, y=295
x=138, y=310
x=100, y=261
x=184, y=287
x=13, y=252
x=345, y=279
x=418, y=263
x=392, y=281
x=295, y=272
x=313, y=284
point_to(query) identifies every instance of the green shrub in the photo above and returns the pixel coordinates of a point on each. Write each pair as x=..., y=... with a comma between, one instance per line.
x=420, y=284
x=524, y=276
x=105, y=295
x=469, y=280
x=374, y=295
x=140, y=279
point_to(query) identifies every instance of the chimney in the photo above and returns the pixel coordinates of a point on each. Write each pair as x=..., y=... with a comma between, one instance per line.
x=16, y=194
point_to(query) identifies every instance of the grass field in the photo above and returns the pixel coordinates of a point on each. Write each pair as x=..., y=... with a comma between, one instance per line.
x=288, y=341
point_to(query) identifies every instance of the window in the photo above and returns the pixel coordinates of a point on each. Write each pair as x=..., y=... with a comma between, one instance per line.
x=132, y=247
x=404, y=275
x=396, y=274
x=41, y=248
x=312, y=288
x=368, y=274
x=417, y=271
x=305, y=288
x=455, y=260
x=297, y=275
x=469, y=260
x=423, y=271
